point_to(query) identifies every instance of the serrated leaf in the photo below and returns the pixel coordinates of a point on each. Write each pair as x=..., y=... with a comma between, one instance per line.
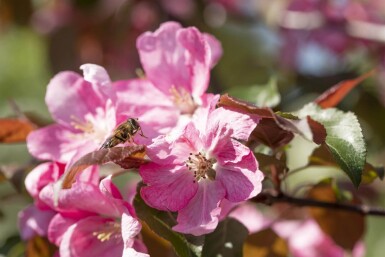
x=226, y=240
x=322, y=156
x=344, y=138
x=261, y=95
x=127, y=157
x=344, y=227
x=265, y=243
x=160, y=223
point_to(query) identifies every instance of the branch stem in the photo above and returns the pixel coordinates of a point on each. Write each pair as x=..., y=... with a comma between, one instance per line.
x=269, y=199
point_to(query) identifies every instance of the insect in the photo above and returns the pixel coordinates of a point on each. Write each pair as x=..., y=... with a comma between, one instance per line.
x=125, y=131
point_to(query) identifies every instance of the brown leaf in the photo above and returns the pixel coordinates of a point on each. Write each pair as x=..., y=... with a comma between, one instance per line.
x=245, y=107
x=275, y=129
x=40, y=247
x=265, y=243
x=128, y=157
x=335, y=94
x=14, y=130
x=344, y=227
x=269, y=133
x=156, y=245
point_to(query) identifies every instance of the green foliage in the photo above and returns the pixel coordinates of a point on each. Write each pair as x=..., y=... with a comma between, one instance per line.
x=344, y=138
x=227, y=239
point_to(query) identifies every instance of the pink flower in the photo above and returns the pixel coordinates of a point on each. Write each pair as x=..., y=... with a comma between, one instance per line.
x=177, y=63
x=193, y=173
x=304, y=237
x=84, y=112
x=87, y=221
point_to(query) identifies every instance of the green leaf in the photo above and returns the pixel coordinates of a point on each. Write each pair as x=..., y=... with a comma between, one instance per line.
x=227, y=239
x=344, y=138
x=161, y=222
x=261, y=95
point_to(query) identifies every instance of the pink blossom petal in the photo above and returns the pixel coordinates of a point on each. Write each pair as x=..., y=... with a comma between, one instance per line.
x=81, y=239
x=58, y=226
x=173, y=56
x=33, y=221
x=53, y=142
x=168, y=187
x=131, y=252
x=215, y=47
x=226, y=121
x=83, y=198
x=232, y=151
x=240, y=183
x=303, y=245
x=69, y=96
x=41, y=176
x=95, y=74
x=249, y=216
x=198, y=59
x=130, y=229
x=200, y=216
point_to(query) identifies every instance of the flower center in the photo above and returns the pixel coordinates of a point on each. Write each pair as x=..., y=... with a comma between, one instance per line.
x=112, y=230
x=183, y=100
x=201, y=166
x=86, y=126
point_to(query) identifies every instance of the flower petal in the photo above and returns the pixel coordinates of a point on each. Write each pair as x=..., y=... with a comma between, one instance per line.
x=41, y=176
x=69, y=95
x=81, y=239
x=215, y=47
x=168, y=187
x=229, y=123
x=32, y=221
x=200, y=216
x=83, y=199
x=130, y=229
x=53, y=142
x=58, y=226
x=173, y=56
x=95, y=74
x=240, y=183
x=131, y=252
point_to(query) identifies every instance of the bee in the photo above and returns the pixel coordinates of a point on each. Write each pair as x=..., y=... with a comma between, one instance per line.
x=124, y=132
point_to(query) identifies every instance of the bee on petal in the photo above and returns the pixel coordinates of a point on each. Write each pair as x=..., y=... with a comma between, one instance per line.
x=124, y=132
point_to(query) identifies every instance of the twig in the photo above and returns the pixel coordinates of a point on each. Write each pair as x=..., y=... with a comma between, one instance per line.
x=269, y=199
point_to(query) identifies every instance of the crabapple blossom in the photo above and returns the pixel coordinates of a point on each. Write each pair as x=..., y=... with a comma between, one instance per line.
x=193, y=173
x=177, y=63
x=84, y=114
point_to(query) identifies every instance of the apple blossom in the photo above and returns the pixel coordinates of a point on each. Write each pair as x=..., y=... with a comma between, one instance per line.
x=193, y=173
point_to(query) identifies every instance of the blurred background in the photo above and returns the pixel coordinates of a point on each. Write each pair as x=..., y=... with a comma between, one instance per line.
x=279, y=53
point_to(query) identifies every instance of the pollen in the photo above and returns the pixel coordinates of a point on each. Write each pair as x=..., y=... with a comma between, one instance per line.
x=183, y=100
x=86, y=127
x=112, y=230
x=201, y=166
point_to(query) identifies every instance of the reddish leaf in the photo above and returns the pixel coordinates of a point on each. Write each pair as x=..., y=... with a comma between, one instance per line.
x=265, y=243
x=344, y=227
x=335, y=94
x=128, y=157
x=276, y=129
x=271, y=134
x=245, y=107
x=40, y=247
x=14, y=130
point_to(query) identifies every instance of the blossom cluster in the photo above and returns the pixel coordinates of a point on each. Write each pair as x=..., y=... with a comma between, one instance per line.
x=199, y=167
x=197, y=158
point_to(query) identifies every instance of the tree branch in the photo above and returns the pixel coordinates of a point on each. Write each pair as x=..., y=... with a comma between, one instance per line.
x=270, y=199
